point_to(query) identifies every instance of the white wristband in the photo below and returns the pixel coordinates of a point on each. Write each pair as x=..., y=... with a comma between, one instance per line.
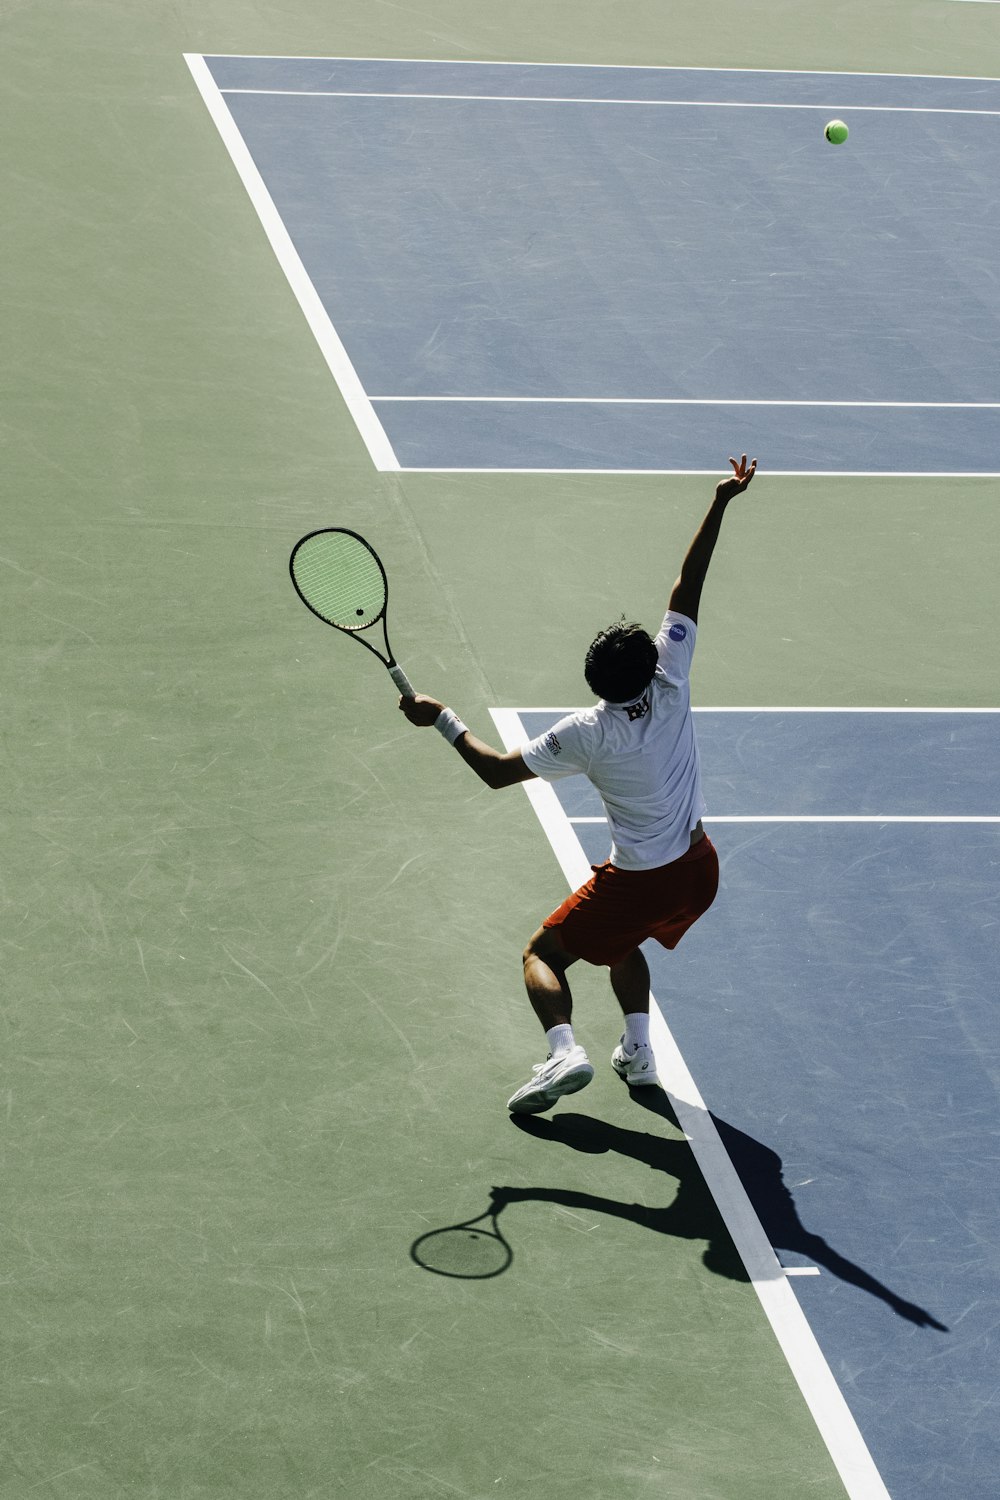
x=450, y=725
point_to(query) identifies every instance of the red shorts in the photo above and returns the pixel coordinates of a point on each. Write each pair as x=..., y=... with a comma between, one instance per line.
x=617, y=909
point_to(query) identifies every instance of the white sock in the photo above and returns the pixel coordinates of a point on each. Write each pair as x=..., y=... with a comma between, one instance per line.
x=560, y=1040
x=636, y=1030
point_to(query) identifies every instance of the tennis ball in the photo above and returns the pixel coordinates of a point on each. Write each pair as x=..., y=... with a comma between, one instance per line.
x=836, y=132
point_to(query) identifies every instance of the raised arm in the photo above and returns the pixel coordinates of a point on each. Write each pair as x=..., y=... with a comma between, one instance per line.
x=490, y=765
x=686, y=596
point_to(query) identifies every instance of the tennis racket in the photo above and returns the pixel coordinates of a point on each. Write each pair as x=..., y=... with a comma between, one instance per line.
x=340, y=577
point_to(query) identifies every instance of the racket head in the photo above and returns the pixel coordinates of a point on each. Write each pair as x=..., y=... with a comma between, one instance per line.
x=471, y=1251
x=340, y=578
x=466, y=1252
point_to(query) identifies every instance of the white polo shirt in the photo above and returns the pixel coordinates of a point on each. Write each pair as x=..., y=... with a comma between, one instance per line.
x=642, y=757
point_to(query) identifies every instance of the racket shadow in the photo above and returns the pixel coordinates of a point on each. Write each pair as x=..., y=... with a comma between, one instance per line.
x=474, y=1250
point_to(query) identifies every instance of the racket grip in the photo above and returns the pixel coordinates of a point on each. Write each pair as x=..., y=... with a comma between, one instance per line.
x=401, y=680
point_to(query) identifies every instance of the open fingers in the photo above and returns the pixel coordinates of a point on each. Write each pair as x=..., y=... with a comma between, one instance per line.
x=740, y=470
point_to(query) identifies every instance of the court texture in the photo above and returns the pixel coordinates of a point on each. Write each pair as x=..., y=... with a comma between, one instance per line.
x=501, y=288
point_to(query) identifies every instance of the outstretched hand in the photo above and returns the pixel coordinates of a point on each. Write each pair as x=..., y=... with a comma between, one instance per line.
x=742, y=475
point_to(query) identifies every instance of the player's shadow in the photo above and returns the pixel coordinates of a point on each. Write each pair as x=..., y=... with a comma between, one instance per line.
x=693, y=1214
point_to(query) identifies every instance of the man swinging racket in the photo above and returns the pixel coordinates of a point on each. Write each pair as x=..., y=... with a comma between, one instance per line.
x=638, y=748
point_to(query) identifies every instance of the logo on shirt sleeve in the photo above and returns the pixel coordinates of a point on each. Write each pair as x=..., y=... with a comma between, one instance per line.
x=551, y=742
x=677, y=632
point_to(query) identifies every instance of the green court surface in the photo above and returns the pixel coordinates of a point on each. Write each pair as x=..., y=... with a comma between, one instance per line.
x=262, y=1002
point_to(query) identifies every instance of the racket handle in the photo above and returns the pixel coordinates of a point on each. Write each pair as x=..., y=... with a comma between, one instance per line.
x=401, y=680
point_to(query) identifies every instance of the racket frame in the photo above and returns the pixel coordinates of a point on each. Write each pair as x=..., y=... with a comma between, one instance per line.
x=389, y=661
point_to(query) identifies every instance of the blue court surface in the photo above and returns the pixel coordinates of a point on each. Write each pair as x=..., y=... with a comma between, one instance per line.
x=630, y=269
x=838, y=1010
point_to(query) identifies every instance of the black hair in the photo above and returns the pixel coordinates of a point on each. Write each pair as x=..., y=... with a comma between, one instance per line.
x=620, y=662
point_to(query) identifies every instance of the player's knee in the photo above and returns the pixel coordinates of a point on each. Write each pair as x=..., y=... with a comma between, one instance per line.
x=545, y=945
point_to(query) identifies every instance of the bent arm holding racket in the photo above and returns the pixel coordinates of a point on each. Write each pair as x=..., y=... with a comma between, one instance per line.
x=495, y=769
x=340, y=578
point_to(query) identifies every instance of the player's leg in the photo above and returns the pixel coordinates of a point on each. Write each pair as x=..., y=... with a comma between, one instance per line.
x=567, y=1067
x=630, y=982
x=545, y=964
x=633, y=1058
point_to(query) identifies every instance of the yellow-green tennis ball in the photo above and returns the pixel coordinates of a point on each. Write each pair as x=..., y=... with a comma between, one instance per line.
x=836, y=132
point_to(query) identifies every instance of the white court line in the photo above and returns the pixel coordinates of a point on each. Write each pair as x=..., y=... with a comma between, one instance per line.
x=826, y=818
x=895, y=109
x=904, y=708
x=676, y=473
x=326, y=336
x=824, y=1398
x=684, y=401
x=481, y=62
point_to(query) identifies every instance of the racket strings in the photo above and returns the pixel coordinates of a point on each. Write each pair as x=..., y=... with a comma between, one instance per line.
x=341, y=579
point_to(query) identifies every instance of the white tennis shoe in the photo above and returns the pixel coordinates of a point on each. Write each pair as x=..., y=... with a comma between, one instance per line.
x=636, y=1068
x=552, y=1078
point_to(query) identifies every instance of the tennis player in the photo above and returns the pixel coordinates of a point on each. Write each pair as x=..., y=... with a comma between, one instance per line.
x=637, y=746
